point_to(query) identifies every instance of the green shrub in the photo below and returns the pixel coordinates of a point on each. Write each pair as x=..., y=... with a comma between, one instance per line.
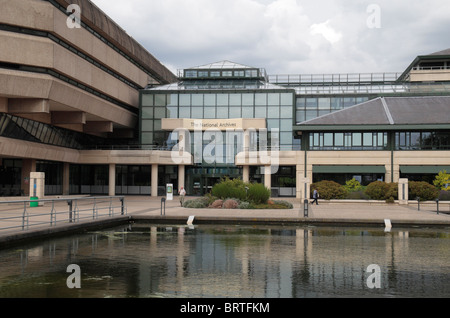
x=380, y=190
x=357, y=195
x=423, y=190
x=258, y=193
x=245, y=205
x=283, y=203
x=198, y=203
x=329, y=190
x=229, y=188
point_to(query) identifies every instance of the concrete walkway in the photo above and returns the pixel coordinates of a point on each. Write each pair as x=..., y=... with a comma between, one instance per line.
x=148, y=209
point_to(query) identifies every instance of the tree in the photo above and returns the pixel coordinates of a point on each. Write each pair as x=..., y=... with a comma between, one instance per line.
x=442, y=180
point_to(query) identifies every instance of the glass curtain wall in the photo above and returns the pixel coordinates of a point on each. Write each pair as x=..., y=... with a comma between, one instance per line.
x=275, y=107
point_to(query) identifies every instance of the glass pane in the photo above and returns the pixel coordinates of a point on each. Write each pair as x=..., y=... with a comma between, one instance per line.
x=311, y=103
x=209, y=112
x=147, y=125
x=147, y=112
x=285, y=138
x=209, y=100
x=197, y=112
x=235, y=99
x=247, y=99
x=197, y=99
x=299, y=116
x=185, y=99
x=185, y=112
x=147, y=100
x=339, y=139
x=301, y=102
x=286, y=99
x=147, y=138
x=310, y=114
x=336, y=103
x=222, y=99
x=356, y=139
x=286, y=112
x=247, y=112
x=274, y=111
x=235, y=112
x=273, y=99
x=172, y=112
x=285, y=124
x=160, y=112
x=222, y=112
x=367, y=139
x=160, y=100
x=324, y=103
x=328, y=139
x=172, y=100
x=260, y=112
x=273, y=123
x=260, y=99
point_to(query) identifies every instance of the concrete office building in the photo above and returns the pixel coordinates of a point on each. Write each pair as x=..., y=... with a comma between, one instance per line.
x=98, y=114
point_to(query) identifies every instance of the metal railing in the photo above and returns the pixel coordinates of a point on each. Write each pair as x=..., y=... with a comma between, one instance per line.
x=334, y=79
x=22, y=215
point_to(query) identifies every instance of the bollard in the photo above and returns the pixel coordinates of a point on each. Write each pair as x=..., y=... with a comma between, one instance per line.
x=69, y=202
x=305, y=208
x=437, y=206
x=122, y=206
x=418, y=203
x=163, y=200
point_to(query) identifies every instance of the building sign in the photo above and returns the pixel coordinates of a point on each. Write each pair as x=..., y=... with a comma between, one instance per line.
x=219, y=124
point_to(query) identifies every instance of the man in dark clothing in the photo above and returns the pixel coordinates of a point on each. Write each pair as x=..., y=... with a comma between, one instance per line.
x=315, y=197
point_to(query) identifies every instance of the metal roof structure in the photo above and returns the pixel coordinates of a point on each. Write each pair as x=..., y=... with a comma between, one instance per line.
x=387, y=113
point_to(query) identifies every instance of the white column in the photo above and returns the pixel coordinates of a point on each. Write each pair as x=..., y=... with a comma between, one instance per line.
x=181, y=173
x=246, y=173
x=154, y=180
x=268, y=177
x=112, y=179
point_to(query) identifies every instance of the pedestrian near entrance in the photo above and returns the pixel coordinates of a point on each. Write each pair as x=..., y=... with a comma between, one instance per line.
x=315, y=197
x=182, y=194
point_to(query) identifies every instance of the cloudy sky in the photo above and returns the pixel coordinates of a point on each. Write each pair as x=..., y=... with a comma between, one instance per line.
x=287, y=36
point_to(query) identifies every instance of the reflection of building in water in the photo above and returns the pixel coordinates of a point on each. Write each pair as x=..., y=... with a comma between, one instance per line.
x=234, y=262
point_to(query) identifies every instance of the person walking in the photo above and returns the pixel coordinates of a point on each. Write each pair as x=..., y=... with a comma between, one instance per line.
x=315, y=197
x=182, y=194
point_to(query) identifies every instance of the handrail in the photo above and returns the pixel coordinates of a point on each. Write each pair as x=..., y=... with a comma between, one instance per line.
x=22, y=215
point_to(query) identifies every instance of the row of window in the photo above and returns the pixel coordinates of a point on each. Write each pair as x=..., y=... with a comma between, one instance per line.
x=251, y=73
x=379, y=141
x=422, y=140
x=218, y=99
x=348, y=141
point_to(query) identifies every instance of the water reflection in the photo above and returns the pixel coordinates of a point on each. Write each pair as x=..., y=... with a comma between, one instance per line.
x=232, y=261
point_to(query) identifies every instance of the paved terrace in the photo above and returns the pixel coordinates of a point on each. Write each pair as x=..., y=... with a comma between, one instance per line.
x=148, y=209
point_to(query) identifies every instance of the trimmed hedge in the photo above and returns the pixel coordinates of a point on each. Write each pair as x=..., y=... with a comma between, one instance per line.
x=423, y=190
x=329, y=190
x=380, y=190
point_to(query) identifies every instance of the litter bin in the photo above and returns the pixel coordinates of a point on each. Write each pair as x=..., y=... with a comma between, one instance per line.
x=34, y=202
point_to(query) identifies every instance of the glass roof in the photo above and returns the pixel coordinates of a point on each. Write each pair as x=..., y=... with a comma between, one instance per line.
x=221, y=65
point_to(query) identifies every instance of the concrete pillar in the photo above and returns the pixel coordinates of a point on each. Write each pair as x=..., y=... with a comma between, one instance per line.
x=268, y=177
x=66, y=178
x=246, y=173
x=37, y=184
x=403, y=191
x=181, y=173
x=112, y=179
x=154, y=180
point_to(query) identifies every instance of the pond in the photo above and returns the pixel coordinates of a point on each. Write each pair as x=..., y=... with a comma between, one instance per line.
x=148, y=260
